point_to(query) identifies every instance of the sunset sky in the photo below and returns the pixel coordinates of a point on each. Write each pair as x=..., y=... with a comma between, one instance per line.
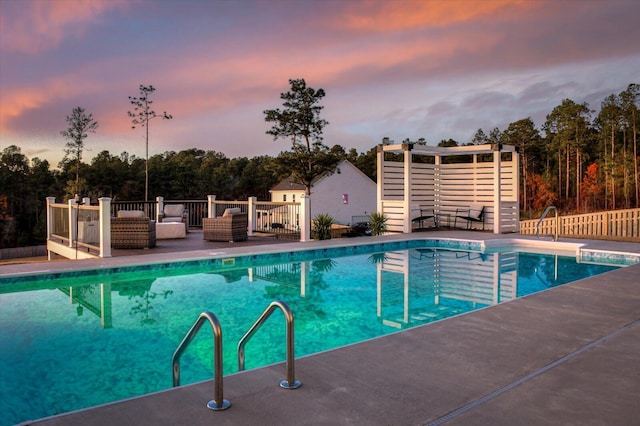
x=395, y=68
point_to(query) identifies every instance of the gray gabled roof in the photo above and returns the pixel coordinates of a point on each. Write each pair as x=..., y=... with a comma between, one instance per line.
x=289, y=183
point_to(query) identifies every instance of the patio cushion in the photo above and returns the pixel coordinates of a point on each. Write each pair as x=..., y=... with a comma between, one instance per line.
x=231, y=211
x=174, y=210
x=130, y=213
x=475, y=210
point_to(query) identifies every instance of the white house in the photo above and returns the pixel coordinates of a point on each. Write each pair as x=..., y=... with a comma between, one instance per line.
x=347, y=195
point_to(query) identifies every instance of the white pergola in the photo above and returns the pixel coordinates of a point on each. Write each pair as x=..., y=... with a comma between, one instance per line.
x=446, y=179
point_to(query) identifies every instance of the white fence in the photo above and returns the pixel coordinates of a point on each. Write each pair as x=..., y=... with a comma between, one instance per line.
x=621, y=225
x=77, y=231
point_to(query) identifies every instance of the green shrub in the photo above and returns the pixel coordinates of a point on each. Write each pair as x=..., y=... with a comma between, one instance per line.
x=322, y=226
x=378, y=223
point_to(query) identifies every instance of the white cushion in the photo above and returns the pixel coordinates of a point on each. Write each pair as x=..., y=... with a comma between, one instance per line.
x=475, y=210
x=130, y=213
x=173, y=210
x=167, y=230
x=230, y=211
x=172, y=219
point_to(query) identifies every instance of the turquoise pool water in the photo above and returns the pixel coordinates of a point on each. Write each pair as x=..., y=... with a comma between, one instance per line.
x=71, y=341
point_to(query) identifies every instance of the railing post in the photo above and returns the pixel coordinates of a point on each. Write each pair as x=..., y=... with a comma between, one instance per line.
x=211, y=206
x=104, y=215
x=251, y=214
x=159, y=208
x=305, y=218
x=73, y=221
x=50, y=201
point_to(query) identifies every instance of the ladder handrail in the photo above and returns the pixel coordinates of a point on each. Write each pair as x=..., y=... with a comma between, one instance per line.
x=290, y=382
x=218, y=403
x=547, y=210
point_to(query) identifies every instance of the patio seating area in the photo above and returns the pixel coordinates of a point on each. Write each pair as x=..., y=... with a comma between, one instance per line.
x=174, y=213
x=231, y=226
x=471, y=214
x=132, y=230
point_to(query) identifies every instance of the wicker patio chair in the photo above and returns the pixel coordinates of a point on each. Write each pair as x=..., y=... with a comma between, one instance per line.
x=132, y=230
x=175, y=213
x=231, y=226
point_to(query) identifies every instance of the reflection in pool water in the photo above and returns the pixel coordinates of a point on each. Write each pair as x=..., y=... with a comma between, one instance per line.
x=79, y=341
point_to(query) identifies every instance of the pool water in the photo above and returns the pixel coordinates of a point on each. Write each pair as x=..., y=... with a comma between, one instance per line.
x=74, y=341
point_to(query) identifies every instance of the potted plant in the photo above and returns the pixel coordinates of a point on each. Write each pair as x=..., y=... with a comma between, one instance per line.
x=322, y=226
x=378, y=223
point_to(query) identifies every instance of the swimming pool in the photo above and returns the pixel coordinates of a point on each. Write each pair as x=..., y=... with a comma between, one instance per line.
x=76, y=340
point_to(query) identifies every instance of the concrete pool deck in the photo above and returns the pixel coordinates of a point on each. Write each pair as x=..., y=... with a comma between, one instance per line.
x=569, y=355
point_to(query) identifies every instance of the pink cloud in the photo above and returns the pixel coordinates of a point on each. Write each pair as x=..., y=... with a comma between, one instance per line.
x=386, y=65
x=373, y=16
x=31, y=26
x=18, y=101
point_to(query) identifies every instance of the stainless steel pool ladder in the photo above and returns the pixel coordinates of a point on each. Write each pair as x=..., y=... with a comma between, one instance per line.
x=547, y=210
x=218, y=402
x=290, y=382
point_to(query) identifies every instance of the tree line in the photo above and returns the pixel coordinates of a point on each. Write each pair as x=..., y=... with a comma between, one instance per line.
x=576, y=160
x=582, y=162
x=191, y=174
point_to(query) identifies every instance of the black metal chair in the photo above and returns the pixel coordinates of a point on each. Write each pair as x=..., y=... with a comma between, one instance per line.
x=425, y=214
x=473, y=213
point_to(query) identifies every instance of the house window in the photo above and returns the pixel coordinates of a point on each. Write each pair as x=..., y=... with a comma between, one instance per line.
x=284, y=197
x=293, y=198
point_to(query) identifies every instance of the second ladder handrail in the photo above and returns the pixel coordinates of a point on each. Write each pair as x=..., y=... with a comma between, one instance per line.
x=218, y=403
x=547, y=210
x=290, y=382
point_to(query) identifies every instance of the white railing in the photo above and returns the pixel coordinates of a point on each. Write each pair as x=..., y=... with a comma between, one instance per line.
x=614, y=224
x=77, y=230
x=280, y=218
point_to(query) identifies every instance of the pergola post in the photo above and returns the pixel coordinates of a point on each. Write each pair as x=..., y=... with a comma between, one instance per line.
x=380, y=180
x=437, y=175
x=406, y=224
x=497, y=190
x=515, y=164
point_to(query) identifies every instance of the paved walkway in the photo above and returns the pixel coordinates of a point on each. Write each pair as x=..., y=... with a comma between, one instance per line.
x=569, y=355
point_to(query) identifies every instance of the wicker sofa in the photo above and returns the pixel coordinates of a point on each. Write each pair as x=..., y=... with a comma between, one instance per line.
x=231, y=226
x=131, y=229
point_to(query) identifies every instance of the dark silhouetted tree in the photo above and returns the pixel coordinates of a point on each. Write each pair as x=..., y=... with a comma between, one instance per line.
x=80, y=125
x=300, y=121
x=141, y=115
